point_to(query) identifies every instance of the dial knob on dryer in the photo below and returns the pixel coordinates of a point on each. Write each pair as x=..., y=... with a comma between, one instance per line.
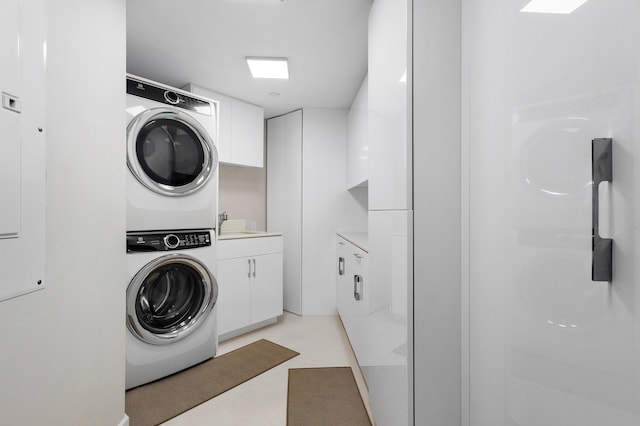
x=171, y=241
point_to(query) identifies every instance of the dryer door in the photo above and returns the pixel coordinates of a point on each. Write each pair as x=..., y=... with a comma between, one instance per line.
x=170, y=152
x=169, y=298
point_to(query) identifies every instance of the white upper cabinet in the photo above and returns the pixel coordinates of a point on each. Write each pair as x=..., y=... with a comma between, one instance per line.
x=358, y=139
x=240, y=129
x=247, y=134
x=390, y=153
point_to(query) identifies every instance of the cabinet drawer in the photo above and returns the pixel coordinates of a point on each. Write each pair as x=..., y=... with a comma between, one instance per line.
x=358, y=258
x=353, y=255
x=244, y=247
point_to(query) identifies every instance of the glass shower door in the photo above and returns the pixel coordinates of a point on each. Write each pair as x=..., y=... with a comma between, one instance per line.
x=548, y=345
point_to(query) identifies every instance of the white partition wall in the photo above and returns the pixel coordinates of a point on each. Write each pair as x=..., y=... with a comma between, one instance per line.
x=62, y=348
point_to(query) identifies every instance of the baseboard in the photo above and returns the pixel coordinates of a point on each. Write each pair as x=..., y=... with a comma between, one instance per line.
x=124, y=421
x=244, y=330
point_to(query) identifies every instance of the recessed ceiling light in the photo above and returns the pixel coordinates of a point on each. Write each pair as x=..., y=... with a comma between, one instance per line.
x=552, y=6
x=254, y=1
x=268, y=67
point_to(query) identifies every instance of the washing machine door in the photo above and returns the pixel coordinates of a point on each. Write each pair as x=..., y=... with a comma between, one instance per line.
x=170, y=152
x=169, y=298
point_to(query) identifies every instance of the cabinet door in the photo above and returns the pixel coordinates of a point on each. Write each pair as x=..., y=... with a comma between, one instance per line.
x=247, y=122
x=234, y=294
x=358, y=139
x=266, y=291
x=389, y=148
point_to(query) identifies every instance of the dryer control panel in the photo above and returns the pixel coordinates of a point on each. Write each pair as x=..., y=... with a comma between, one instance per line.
x=168, y=96
x=167, y=240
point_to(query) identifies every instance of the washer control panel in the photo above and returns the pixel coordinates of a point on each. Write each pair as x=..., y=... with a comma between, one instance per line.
x=167, y=240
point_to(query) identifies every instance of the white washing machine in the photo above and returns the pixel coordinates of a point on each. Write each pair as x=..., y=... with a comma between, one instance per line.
x=172, y=158
x=171, y=295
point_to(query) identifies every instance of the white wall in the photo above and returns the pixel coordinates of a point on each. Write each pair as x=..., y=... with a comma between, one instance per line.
x=62, y=348
x=243, y=194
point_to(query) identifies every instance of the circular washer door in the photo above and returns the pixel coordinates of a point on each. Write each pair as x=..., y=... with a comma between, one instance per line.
x=169, y=298
x=170, y=152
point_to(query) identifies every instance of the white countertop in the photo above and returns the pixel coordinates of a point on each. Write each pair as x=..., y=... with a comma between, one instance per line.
x=234, y=235
x=360, y=239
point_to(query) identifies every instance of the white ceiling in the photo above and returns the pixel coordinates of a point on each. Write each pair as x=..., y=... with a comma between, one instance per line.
x=205, y=42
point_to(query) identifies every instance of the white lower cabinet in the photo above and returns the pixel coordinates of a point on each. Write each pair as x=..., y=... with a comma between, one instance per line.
x=352, y=293
x=249, y=282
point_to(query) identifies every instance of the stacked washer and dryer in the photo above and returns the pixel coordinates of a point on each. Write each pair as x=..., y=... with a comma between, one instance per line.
x=172, y=193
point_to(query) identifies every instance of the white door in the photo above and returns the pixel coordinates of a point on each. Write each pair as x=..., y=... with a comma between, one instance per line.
x=284, y=199
x=547, y=345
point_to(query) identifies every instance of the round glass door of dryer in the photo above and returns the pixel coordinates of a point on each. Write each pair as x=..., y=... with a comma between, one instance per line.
x=170, y=152
x=169, y=298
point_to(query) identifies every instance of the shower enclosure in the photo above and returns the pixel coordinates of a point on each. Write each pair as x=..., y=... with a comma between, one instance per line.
x=551, y=337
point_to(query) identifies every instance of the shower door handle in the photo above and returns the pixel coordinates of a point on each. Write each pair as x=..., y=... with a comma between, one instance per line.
x=601, y=171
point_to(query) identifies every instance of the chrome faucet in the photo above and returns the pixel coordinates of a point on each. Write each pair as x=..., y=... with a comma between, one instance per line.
x=221, y=218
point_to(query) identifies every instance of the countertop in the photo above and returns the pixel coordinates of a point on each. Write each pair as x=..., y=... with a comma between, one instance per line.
x=360, y=239
x=234, y=235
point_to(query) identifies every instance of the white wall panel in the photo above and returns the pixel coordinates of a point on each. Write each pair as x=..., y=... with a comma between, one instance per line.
x=437, y=212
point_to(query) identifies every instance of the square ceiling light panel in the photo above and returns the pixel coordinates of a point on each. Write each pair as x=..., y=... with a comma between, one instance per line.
x=553, y=6
x=268, y=67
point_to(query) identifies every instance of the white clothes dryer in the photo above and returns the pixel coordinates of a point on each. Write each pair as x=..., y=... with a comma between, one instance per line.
x=171, y=296
x=172, y=158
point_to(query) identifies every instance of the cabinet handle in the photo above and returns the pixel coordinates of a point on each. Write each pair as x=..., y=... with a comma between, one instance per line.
x=357, y=287
x=249, y=262
x=341, y=266
x=254, y=267
x=601, y=171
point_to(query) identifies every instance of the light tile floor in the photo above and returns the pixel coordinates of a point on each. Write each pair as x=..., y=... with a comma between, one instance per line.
x=262, y=401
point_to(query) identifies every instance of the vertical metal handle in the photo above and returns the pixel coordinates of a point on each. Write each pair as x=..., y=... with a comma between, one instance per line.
x=254, y=266
x=249, y=262
x=357, y=287
x=341, y=265
x=601, y=171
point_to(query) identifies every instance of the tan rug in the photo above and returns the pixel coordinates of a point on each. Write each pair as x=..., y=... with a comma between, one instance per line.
x=324, y=396
x=164, y=399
